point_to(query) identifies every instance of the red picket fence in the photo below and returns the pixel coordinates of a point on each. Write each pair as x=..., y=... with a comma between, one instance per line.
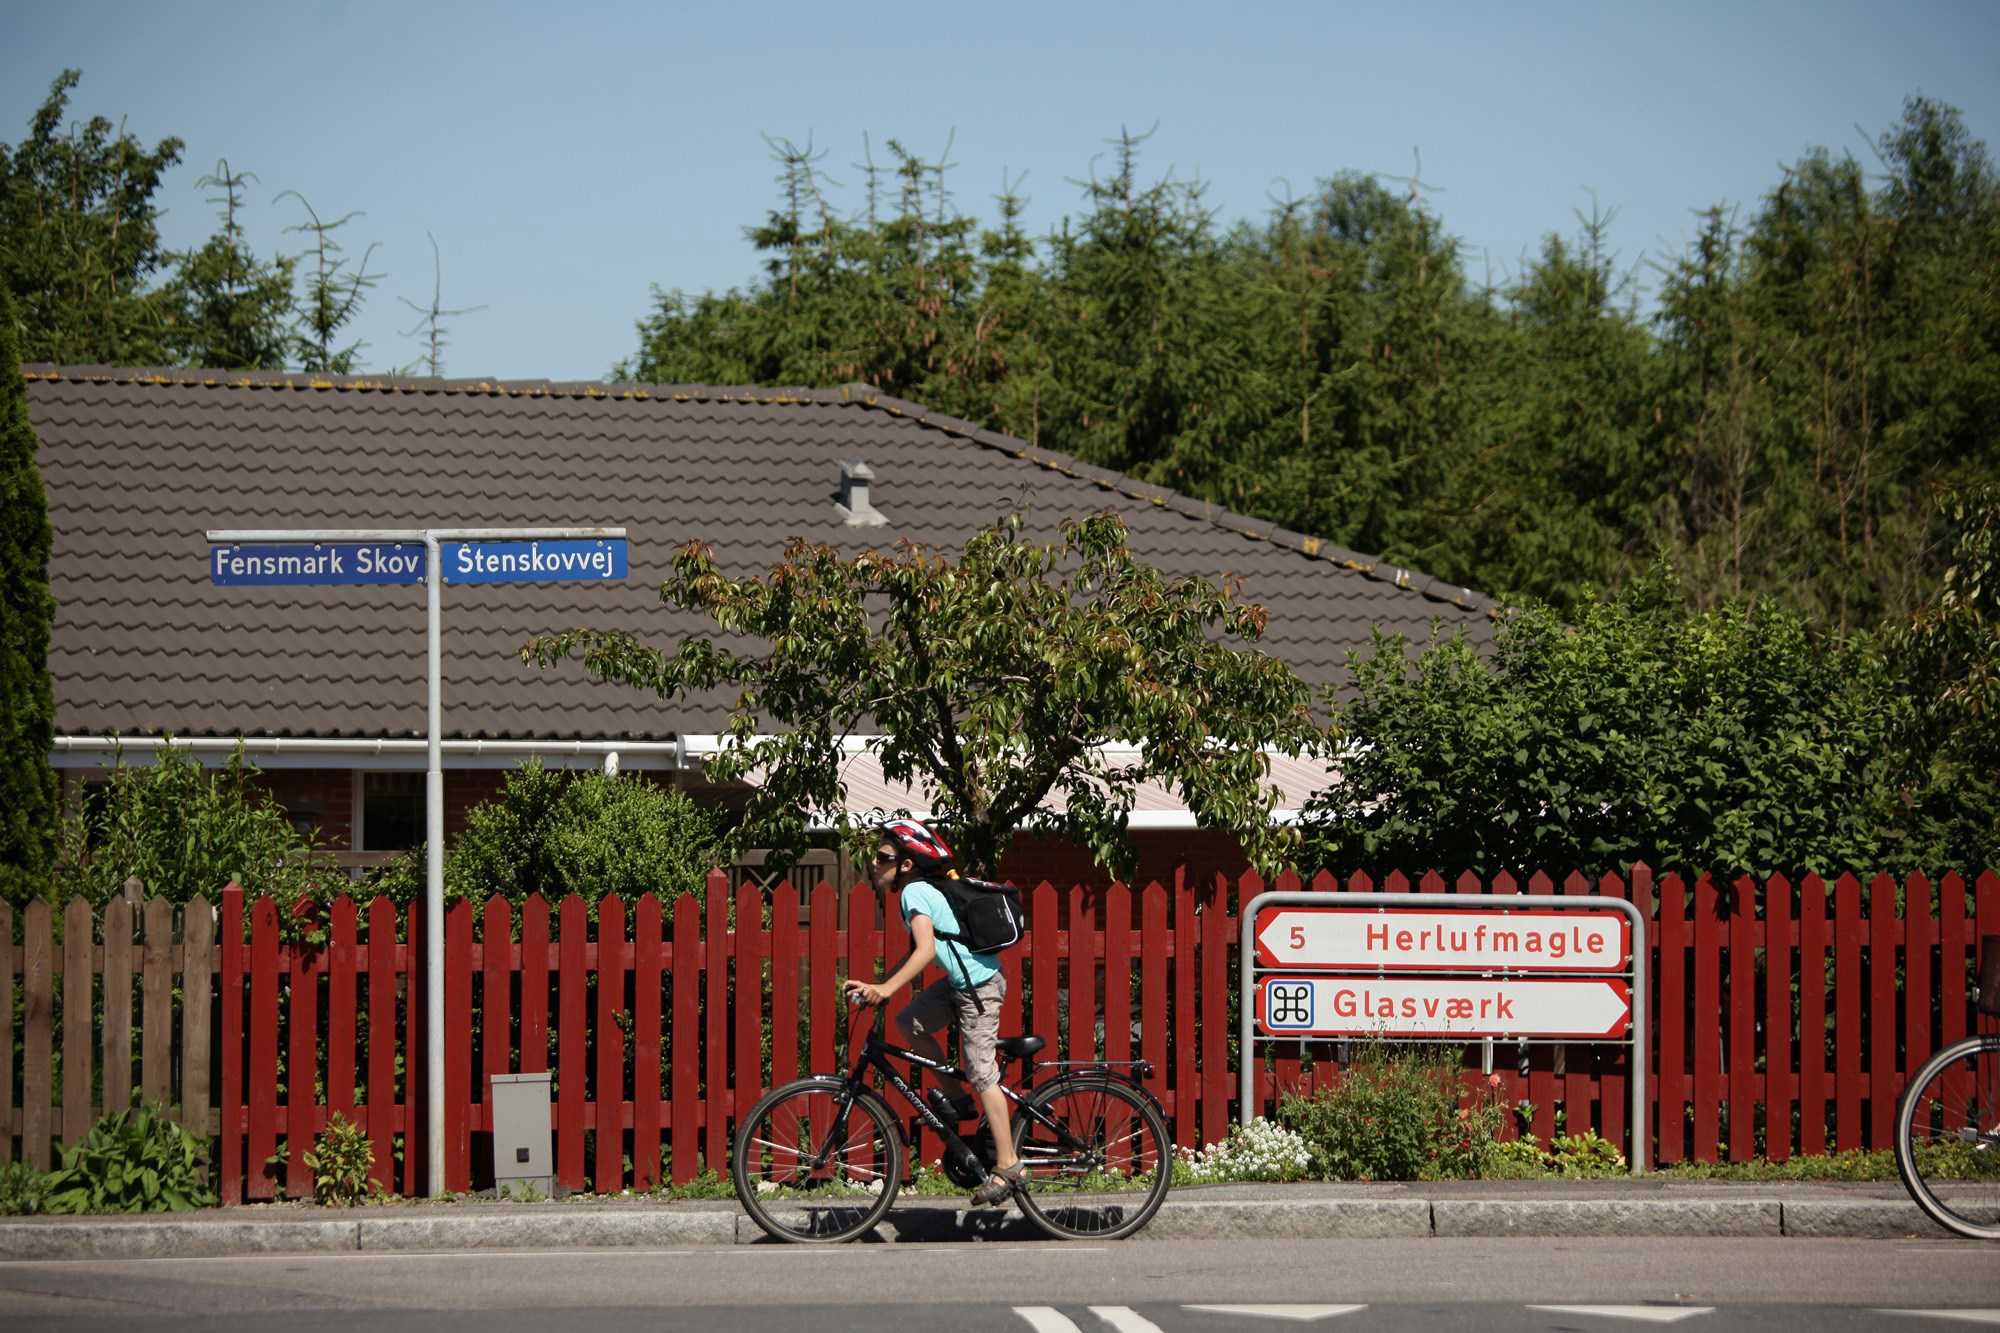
x=1786, y=1017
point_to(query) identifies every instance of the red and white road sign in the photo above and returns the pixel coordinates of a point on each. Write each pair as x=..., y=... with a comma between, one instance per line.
x=1321, y=1006
x=1442, y=940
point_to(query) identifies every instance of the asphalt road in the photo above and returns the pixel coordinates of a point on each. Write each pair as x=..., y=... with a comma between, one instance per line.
x=1133, y=1287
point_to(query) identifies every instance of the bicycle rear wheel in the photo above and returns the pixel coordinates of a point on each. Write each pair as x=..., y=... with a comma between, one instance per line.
x=1948, y=1137
x=812, y=1164
x=1098, y=1154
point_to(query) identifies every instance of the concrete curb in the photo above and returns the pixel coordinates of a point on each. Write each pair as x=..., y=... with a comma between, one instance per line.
x=1859, y=1217
x=179, y=1238
x=640, y=1228
x=624, y=1229
x=1607, y=1217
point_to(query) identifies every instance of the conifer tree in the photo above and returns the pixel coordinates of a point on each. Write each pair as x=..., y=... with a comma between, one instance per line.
x=27, y=699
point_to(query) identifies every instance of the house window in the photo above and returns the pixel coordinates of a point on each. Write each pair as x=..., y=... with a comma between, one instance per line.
x=392, y=811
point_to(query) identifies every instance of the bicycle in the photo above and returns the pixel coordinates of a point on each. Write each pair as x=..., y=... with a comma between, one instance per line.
x=821, y=1158
x=1948, y=1123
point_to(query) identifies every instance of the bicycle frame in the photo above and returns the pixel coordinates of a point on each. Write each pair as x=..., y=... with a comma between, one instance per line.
x=875, y=1055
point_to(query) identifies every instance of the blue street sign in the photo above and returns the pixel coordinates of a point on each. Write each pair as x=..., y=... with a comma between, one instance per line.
x=322, y=563
x=534, y=562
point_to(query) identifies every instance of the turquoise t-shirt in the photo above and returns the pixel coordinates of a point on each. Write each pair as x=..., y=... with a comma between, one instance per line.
x=965, y=968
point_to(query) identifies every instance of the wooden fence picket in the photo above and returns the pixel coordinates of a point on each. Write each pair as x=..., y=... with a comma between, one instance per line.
x=117, y=1004
x=606, y=1167
x=1745, y=930
x=715, y=1044
x=458, y=1045
x=572, y=1038
x=685, y=1106
x=1814, y=942
x=383, y=1120
x=648, y=972
x=1847, y=1034
x=79, y=927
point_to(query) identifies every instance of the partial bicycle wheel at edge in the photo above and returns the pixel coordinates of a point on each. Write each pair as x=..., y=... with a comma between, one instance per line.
x=810, y=1165
x=1948, y=1137
x=1098, y=1154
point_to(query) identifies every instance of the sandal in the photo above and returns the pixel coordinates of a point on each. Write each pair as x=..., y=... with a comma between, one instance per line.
x=1000, y=1185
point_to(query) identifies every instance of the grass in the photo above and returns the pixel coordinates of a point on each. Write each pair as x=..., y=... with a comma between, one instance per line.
x=1833, y=1166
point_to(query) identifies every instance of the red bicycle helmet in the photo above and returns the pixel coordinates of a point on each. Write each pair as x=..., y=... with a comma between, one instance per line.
x=925, y=848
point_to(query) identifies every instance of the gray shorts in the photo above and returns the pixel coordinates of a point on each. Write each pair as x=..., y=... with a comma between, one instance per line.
x=939, y=1006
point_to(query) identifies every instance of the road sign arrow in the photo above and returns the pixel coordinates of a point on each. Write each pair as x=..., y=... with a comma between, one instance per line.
x=1472, y=940
x=1323, y=1006
x=1645, y=1314
x=1301, y=1314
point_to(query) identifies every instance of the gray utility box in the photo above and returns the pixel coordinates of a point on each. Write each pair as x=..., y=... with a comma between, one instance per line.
x=522, y=1141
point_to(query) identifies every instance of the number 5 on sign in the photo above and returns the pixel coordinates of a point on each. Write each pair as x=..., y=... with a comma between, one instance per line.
x=1291, y=1005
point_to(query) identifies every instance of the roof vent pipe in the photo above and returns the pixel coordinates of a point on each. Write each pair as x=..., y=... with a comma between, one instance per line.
x=855, y=510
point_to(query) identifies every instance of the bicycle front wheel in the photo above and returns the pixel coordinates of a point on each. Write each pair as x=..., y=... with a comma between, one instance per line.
x=1948, y=1137
x=1098, y=1154
x=815, y=1163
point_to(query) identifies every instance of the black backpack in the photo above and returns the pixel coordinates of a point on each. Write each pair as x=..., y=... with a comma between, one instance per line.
x=989, y=914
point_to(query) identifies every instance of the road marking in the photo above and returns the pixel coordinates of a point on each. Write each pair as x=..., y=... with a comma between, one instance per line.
x=1046, y=1319
x=1125, y=1319
x=1650, y=1314
x=1303, y=1314
x=1962, y=1316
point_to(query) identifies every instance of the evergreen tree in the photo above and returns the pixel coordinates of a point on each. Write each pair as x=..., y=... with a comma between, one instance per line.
x=234, y=309
x=27, y=612
x=79, y=240
x=333, y=295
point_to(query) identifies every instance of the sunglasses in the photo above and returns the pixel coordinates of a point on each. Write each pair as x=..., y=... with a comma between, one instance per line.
x=885, y=858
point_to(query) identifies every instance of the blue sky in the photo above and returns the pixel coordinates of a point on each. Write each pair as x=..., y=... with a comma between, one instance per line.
x=568, y=158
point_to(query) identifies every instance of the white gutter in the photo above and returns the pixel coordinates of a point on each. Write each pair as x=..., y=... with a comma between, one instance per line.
x=382, y=751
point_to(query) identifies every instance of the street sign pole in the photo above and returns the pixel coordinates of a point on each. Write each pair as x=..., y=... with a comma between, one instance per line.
x=511, y=567
x=434, y=859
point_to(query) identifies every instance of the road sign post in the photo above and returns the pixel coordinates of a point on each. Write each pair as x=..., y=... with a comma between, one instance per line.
x=433, y=556
x=1437, y=967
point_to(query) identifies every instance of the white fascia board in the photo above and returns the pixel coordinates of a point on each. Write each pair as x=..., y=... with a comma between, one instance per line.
x=375, y=754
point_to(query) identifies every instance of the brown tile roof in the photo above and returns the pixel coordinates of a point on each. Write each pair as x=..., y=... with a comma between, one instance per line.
x=139, y=464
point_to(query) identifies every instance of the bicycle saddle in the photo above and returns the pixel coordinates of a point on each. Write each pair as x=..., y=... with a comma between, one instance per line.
x=1020, y=1047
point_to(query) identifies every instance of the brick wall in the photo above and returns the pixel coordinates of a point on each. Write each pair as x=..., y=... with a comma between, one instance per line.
x=317, y=797
x=325, y=797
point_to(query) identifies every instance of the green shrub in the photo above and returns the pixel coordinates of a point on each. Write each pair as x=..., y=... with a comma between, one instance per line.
x=21, y=1189
x=1586, y=1155
x=1852, y=1165
x=184, y=830
x=554, y=833
x=135, y=1161
x=341, y=1163
x=1395, y=1115
x=1513, y=1159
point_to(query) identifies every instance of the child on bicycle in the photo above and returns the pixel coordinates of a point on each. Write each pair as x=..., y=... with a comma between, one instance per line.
x=907, y=858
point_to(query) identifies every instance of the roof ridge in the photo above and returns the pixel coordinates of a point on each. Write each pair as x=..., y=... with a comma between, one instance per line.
x=851, y=394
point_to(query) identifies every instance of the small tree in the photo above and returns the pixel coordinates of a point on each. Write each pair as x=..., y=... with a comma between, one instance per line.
x=989, y=682
x=1729, y=740
x=1947, y=659
x=27, y=612
x=183, y=829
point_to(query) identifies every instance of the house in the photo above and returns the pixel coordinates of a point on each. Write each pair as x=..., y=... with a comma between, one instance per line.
x=326, y=685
